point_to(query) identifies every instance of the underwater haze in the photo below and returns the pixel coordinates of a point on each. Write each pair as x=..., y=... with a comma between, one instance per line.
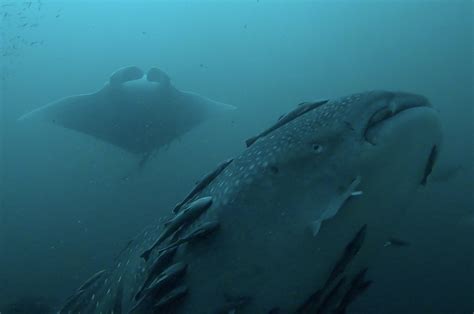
x=70, y=202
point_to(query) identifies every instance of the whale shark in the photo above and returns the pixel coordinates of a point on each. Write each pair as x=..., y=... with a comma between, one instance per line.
x=138, y=113
x=292, y=224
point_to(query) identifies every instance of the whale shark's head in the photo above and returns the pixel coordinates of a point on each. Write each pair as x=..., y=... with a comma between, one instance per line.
x=355, y=132
x=381, y=144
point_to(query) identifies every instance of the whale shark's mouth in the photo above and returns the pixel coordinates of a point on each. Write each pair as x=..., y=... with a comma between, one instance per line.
x=393, y=114
x=390, y=112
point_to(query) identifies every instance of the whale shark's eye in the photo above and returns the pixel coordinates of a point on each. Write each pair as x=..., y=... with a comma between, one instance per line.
x=317, y=148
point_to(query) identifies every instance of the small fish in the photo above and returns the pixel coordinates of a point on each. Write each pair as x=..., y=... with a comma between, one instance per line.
x=204, y=230
x=171, y=297
x=203, y=183
x=357, y=286
x=396, y=242
x=350, y=251
x=189, y=214
x=33, y=43
x=156, y=269
x=169, y=276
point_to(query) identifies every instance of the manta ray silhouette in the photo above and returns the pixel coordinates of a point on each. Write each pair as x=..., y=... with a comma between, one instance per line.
x=136, y=112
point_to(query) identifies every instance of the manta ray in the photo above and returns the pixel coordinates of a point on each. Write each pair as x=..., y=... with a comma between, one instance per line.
x=290, y=225
x=138, y=113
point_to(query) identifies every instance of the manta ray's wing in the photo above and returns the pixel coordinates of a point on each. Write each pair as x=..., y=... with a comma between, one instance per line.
x=106, y=115
x=95, y=115
x=136, y=113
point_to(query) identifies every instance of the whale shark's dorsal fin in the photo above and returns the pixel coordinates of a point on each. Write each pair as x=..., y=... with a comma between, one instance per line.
x=126, y=74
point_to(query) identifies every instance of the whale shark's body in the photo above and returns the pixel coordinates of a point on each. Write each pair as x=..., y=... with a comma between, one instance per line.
x=136, y=112
x=288, y=226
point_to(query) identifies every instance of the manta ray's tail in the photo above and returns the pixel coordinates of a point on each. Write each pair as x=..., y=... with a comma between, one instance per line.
x=142, y=163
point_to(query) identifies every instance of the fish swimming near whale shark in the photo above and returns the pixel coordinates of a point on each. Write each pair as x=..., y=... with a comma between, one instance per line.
x=138, y=113
x=290, y=225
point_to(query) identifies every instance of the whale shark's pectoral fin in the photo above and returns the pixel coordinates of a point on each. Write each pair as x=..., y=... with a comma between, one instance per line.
x=125, y=74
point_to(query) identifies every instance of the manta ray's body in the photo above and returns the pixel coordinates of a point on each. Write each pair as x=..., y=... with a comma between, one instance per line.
x=136, y=112
x=288, y=226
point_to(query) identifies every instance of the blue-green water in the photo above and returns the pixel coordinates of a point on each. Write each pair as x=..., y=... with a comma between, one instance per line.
x=66, y=210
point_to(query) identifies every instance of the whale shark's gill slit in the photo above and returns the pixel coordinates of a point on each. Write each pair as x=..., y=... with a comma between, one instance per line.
x=429, y=165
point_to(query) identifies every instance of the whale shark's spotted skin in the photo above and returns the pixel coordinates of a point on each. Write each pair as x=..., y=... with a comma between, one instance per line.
x=259, y=257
